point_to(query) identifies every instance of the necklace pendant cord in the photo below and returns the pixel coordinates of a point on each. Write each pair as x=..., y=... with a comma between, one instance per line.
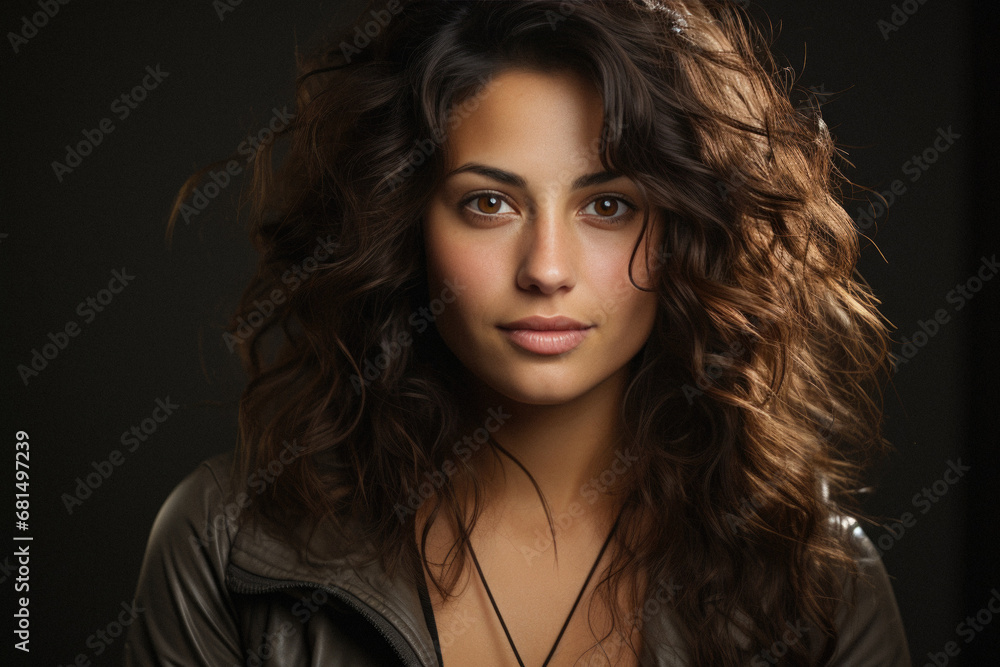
x=552, y=651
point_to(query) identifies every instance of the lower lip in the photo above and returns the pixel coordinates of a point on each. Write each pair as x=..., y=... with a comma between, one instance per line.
x=546, y=342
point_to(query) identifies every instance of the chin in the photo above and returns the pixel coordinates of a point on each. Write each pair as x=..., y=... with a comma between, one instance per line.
x=533, y=389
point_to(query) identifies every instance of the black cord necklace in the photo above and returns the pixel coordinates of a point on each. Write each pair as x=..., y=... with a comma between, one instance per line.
x=578, y=597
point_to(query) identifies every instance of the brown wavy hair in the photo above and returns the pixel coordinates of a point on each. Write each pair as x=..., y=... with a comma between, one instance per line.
x=751, y=404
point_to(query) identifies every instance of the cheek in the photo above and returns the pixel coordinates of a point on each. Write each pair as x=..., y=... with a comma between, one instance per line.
x=616, y=297
x=466, y=268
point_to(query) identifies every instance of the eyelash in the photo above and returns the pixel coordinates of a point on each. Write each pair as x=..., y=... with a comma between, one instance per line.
x=631, y=209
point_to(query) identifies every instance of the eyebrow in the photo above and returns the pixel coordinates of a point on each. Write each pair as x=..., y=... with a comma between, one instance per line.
x=514, y=180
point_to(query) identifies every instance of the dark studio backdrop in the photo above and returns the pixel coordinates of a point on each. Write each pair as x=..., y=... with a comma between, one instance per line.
x=128, y=332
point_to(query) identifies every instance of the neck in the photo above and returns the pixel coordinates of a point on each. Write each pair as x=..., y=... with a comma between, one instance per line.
x=573, y=450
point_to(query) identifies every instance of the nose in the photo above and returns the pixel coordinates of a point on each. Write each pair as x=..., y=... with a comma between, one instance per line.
x=549, y=253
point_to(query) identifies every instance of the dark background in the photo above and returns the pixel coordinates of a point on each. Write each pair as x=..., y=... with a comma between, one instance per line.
x=886, y=94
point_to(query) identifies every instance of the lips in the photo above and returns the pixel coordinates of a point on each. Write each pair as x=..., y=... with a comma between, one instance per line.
x=538, y=323
x=546, y=335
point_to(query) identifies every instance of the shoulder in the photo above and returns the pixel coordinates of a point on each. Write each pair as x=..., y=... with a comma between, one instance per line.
x=201, y=510
x=207, y=485
x=868, y=620
x=185, y=614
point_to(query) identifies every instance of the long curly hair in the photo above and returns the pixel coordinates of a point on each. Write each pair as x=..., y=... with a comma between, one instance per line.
x=750, y=406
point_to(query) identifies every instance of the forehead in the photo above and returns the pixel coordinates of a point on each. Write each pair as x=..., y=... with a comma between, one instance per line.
x=529, y=116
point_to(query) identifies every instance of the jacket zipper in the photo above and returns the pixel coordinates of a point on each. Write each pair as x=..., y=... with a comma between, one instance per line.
x=248, y=582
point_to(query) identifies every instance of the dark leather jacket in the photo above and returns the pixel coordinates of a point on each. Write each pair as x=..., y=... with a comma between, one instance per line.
x=219, y=596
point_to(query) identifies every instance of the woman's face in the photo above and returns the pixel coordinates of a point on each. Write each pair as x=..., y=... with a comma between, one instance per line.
x=525, y=224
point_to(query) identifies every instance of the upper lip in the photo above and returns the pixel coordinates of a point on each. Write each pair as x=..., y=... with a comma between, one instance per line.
x=538, y=323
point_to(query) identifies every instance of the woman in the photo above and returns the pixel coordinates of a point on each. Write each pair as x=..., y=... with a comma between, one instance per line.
x=568, y=363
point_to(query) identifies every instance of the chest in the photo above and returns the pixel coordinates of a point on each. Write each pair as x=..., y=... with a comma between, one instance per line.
x=470, y=634
x=535, y=595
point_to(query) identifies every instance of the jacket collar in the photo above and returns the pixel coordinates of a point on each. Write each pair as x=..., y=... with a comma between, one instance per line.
x=354, y=574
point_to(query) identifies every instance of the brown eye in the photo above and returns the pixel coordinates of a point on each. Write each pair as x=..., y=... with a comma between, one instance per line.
x=492, y=203
x=612, y=209
x=606, y=206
